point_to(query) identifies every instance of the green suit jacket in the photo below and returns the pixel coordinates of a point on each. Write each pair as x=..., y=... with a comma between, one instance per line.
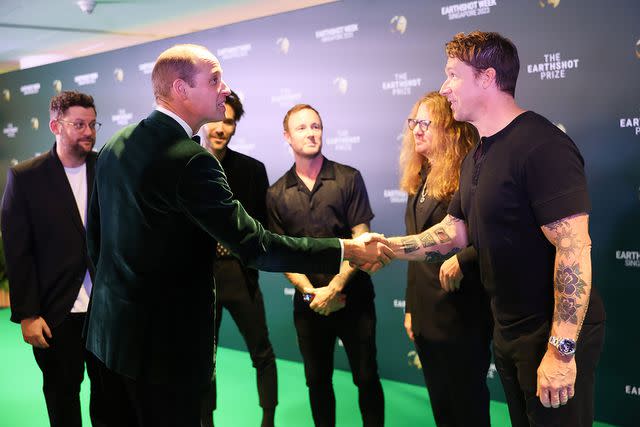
x=159, y=205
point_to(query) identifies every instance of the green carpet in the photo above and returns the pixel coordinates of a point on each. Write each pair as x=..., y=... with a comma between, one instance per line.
x=22, y=402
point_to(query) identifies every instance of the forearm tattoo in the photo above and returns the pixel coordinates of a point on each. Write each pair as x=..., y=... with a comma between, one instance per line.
x=571, y=287
x=409, y=244
x=450, y=220
x=438, y=257
x=566, y=240
x=442, y=235
x=427, y=240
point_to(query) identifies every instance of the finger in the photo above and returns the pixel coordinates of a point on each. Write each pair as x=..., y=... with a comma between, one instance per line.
x=388, y=252
x=373, y=268
x=544, y=397
x=46, y=329
x=456, y=285
x=446, y=284
x=564, y=396
x=376, y=237
x=41, y=342
x=555, y=398
x=571, y=391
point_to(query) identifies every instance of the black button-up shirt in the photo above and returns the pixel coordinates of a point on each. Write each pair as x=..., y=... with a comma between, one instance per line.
x=337, y=203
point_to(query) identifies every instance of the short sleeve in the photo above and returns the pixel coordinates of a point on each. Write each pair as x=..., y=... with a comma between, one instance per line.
x=455, y=206
x=358, y=207
x=555, y=181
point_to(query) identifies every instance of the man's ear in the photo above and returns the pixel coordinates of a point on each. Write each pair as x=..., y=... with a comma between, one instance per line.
x=179, y=89
x=287, y=137
x=488, y=77
x=54, y=126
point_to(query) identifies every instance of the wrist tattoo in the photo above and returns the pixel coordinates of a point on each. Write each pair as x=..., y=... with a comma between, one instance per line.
x=409, y=244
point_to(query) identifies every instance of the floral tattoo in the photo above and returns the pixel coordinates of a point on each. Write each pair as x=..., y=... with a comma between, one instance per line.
x=570, y=286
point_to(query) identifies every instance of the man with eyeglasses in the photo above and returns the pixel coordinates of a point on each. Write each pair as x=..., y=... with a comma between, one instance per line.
x=237, y=287
x=50, y=276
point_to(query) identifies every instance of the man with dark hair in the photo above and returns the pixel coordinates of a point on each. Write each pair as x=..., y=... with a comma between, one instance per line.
x=159, y=206
x=523, y=203
x=321, y=198
x=237, y=287
x=43, y=227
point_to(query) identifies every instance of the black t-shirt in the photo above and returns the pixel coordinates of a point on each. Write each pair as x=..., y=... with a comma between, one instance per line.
x=525, y=176
x=337, y=203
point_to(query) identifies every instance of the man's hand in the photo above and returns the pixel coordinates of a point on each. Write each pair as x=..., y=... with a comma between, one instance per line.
x=326, y=300
x=556, y=379
x=369, y=252
x=407, y=325
x=450, y=274
x=33, y=331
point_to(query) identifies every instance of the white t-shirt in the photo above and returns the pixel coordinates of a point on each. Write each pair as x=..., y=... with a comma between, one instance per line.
x=78, y=181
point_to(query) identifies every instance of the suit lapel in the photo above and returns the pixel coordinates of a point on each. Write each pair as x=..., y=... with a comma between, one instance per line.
x=59, y=185
x=410, y=216
x=91, y=173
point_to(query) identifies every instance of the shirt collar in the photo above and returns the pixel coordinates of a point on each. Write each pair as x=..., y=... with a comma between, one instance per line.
x=326, y=172
x=178, y=119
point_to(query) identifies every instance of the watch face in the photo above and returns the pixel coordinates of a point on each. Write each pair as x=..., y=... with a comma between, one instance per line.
x=567, y=346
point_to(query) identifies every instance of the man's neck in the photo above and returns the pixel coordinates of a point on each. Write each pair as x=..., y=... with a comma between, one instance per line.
x=497, y=114
x=69, y=160
x=180, y=112
x=309, y=167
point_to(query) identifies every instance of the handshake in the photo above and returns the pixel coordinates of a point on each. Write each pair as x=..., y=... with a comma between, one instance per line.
x=368, y=252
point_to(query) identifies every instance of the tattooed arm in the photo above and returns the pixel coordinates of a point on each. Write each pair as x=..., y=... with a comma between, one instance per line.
x=572, y=288
x=433, y=245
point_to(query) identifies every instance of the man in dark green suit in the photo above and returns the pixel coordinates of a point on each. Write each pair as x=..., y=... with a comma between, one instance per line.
x=159, y=206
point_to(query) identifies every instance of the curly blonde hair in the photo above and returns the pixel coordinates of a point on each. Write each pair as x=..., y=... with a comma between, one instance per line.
x=452, y=141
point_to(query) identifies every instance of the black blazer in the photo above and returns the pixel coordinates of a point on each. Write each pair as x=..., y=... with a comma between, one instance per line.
x=44, y=238
x=160, y=204
x=247, y=178
x=436, y=314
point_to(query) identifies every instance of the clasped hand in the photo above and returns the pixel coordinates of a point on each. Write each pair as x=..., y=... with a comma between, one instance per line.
x=368, y=252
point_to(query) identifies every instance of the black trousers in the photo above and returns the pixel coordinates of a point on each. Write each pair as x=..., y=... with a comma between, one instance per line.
x=134, y=403
x=517, y=364
x=455, y=373
x=62, y=366
x=237, y=290
x=317, y=334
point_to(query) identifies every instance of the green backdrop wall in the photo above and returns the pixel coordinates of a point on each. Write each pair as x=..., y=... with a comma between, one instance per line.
x=363, y=64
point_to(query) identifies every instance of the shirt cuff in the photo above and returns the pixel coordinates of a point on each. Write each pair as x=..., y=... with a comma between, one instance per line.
x=341, y=250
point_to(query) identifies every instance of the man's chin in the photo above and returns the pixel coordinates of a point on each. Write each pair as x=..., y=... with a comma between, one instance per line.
x=83, y=149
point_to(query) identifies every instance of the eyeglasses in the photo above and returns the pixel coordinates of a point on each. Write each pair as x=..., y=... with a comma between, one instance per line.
x=80, y=126
x=424, y=124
